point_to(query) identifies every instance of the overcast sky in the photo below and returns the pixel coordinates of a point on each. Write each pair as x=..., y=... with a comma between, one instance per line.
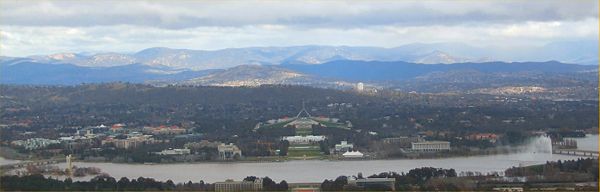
x=45, y=27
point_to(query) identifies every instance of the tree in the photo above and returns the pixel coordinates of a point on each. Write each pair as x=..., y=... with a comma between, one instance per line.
x=169, y=185
x=250, y=178
x=324, y=146
x=68, y=181
x=283, y=185
x=269, y=184
x=283, y=148
x=122, y=184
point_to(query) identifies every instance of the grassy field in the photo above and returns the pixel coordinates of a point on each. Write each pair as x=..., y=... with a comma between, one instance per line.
x=334, y=125
x=304, y=150
x=302, y=153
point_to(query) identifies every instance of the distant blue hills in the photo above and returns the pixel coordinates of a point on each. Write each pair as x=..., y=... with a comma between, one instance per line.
x=36, y=73
x=576, y=52
x=69, y=74
x=398, y=70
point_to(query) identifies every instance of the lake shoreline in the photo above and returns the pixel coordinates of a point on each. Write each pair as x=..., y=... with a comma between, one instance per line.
x=503, y=150
x=315, y=170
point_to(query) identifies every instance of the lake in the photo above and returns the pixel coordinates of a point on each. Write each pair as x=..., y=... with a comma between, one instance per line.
x=318, y=170
x=589, y=142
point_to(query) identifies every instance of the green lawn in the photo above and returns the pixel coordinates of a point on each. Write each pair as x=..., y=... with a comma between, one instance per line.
x=334, y=125
x=301, y=153
x=304, y=150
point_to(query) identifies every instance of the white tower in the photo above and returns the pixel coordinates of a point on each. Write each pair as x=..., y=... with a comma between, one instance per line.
x=69, y=165
x=360, y=87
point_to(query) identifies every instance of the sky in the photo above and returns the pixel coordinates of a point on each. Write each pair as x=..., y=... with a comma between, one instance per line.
x=46, y=27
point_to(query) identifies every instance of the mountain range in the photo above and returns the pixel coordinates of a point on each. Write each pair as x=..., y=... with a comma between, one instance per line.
x=439, y=53
x=336, y=74
x=34, y=73
x=414, y=67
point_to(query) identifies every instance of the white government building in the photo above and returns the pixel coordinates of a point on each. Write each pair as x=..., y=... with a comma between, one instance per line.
x=174, y=152
x=304, y=139
x=353, y=154
x=430, y=146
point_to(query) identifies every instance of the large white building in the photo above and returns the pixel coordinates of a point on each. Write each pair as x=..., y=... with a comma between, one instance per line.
x=431, y=146
x=304, y=139
x=353, y=154
x=302, y=123
x=174, y=152
x=229, y=152
x=35, y=143
x=343, y=146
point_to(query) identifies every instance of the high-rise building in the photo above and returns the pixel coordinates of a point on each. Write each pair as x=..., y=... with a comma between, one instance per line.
x=360, y=87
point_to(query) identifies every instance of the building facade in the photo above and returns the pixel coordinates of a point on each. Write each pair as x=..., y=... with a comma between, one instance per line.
x=402, y=141
x=344, y=146
x=229, y=152
x=353, y=154
x=302, y=123
x=431, y=146
x=35, y=143
x=483, y=136
x=174, y=152
x=304, y=139
x=237, y=186
x=164, y=130
x=374, y=183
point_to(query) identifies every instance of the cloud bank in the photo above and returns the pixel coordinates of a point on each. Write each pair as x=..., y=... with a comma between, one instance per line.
x=43, y=27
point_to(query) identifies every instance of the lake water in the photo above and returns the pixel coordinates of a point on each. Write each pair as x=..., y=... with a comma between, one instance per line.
x=4, y=161
x=318, y=170
x=589, y=142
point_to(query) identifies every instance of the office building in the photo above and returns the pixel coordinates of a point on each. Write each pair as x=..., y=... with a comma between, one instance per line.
x=431, y=146
x=402, y=141
x=374, y=183
x=344, y=146
x=236, y=186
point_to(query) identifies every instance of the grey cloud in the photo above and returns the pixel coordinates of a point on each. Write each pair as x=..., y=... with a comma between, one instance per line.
x=338, y=14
